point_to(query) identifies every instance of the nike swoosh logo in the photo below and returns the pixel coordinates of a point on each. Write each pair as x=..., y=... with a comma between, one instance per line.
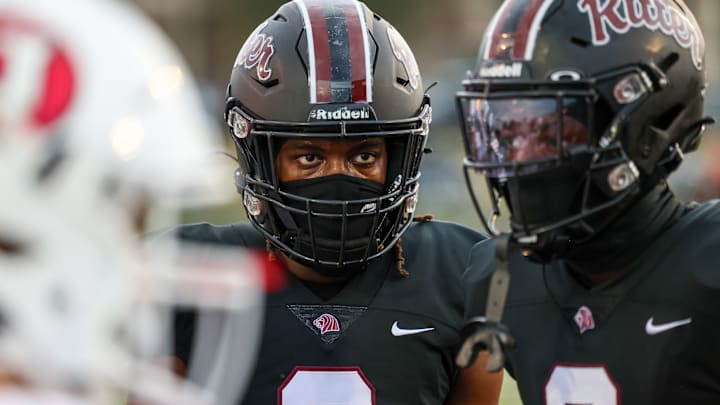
x=398, y=331
x=652, y=329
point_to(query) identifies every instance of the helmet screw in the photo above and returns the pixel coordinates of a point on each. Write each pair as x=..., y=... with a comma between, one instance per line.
x=411, y=204
x=622, y=176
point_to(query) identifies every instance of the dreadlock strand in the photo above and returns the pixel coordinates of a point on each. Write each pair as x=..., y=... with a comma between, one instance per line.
x=401, y=260
x=423, y=218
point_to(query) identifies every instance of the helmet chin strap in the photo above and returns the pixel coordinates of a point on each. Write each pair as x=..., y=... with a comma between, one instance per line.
x=487, y=332
x=547, y=246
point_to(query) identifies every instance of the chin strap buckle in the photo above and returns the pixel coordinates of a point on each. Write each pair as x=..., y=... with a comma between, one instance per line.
x=488, y=333
x=478, y=335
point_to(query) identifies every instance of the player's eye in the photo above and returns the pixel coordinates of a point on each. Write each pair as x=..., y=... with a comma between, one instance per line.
x=307, y=159
x=365, y=158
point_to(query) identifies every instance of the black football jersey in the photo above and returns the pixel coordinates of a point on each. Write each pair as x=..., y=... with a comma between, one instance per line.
x=383, y=339
x=650, y=337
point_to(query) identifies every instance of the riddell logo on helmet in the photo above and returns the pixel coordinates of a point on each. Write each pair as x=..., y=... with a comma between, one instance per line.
x=340, y=114
x=502, y=70
x=619, y=16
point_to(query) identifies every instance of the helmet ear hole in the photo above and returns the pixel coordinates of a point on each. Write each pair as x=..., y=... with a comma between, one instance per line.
x=581, y=42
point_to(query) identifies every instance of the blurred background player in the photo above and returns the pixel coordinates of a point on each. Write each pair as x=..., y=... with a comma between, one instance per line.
x=101, y=126
x=576, y=113
x=327, y=110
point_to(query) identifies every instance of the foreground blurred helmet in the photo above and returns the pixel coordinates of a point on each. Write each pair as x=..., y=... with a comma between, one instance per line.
x=576, y=108
x=334, y=70
x=98, y=117
x=117, y=93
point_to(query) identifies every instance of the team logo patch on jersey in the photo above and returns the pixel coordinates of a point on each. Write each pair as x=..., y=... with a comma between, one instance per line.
x=256, y=54
x=584, y=319
x=619, y=16
x=328, y=322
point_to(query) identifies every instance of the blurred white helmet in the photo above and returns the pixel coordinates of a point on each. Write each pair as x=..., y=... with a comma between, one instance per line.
x=95, y=72
x=99, y=115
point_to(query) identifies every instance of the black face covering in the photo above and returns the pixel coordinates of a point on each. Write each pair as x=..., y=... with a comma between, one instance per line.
x=352, y=232
x=627, y=237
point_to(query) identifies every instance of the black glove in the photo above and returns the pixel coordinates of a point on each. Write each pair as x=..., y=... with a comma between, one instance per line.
x=478, y=335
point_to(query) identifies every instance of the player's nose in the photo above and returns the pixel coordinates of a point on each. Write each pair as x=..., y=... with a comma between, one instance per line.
x=337, y=165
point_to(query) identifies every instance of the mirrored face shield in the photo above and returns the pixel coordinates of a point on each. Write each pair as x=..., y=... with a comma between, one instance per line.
x=513, y=130
x=543, y=149
x=509, y=136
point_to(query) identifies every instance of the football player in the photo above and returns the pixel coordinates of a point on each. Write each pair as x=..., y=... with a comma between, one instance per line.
x=99, y=118
x=576, y=113
x=327, y=110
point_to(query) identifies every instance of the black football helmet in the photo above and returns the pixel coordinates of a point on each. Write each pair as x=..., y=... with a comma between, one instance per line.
x=332, y=69
x=576, y=108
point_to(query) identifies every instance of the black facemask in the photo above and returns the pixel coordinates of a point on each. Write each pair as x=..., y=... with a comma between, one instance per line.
x=543, y=198
x=328, y=238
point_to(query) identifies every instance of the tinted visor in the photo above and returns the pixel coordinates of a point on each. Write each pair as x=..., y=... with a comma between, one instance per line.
x=519, y=135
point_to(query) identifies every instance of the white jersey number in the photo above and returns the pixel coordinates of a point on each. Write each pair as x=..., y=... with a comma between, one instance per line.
x=586, y=384
x=326, y=386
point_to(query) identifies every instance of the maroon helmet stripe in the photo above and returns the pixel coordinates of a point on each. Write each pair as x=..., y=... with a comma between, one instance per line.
x=357, y=51
x=498, y=31
x=323, y=63
x=338, y=51
x=514, y=29
x=523, y=30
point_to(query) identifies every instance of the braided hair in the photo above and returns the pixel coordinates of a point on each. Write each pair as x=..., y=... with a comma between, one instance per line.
x=400, y=259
